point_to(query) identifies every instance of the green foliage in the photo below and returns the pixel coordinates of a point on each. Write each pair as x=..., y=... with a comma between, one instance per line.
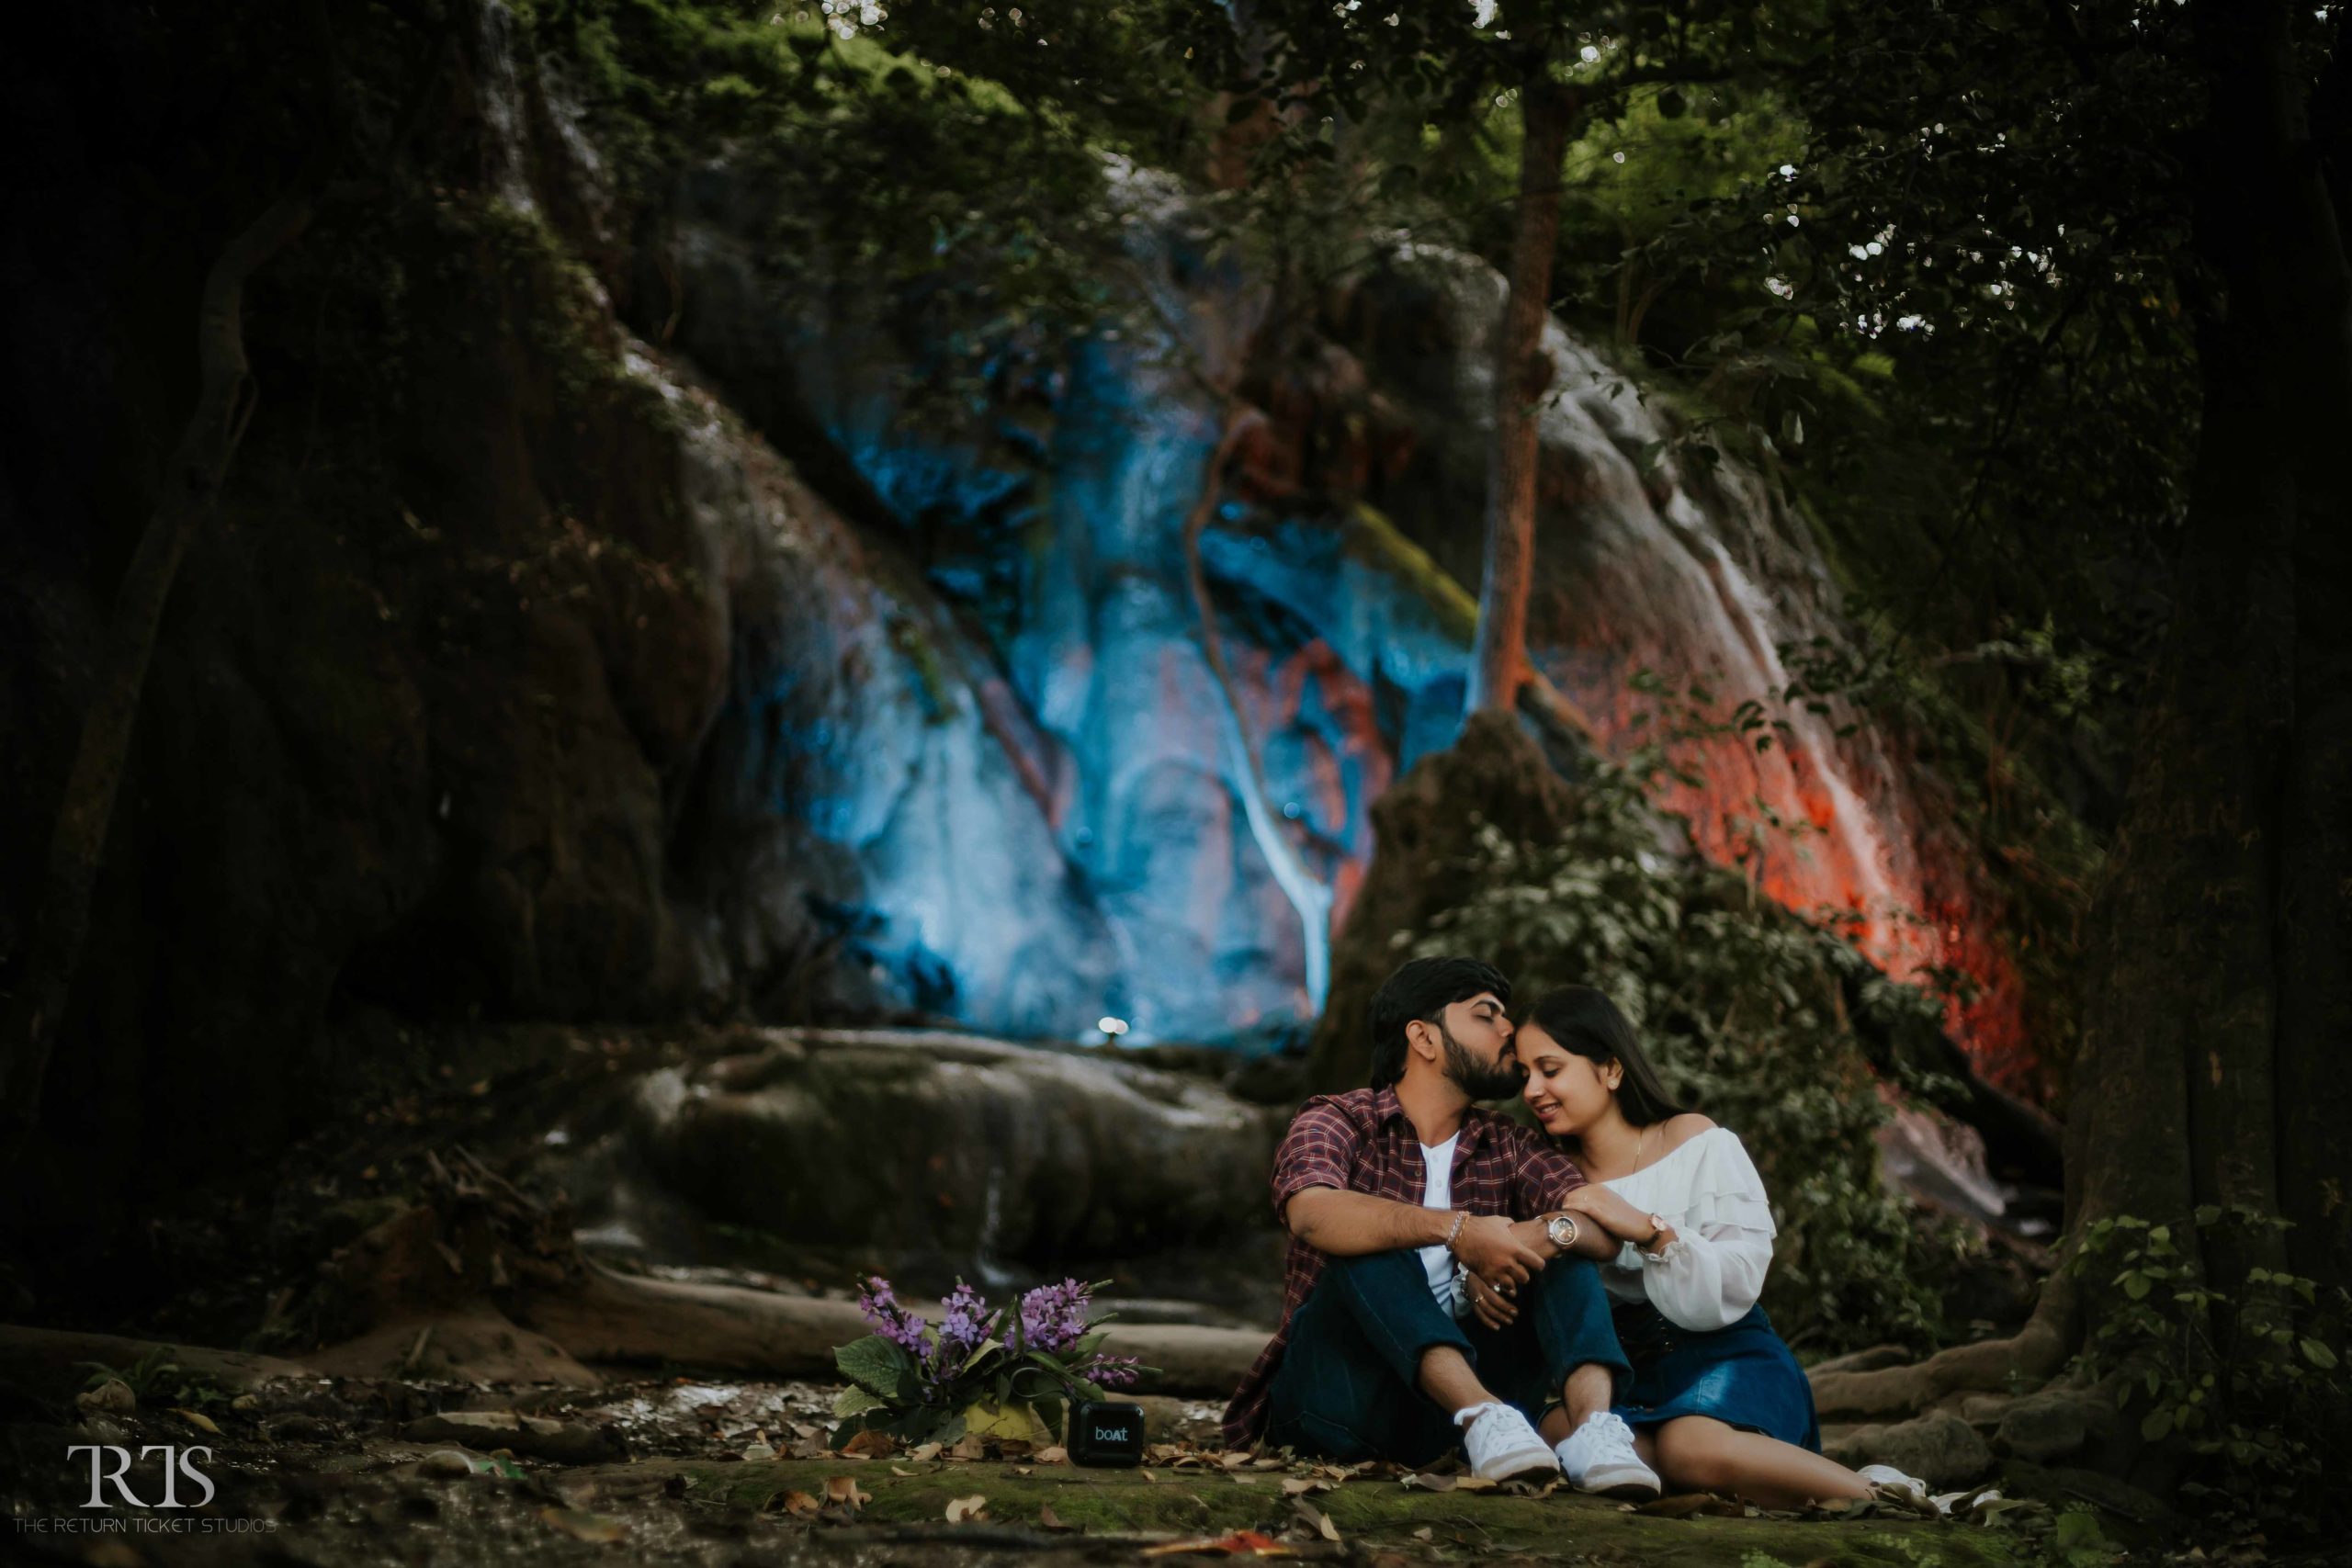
x=943, y=175
x=1745, y=1010
x=872, y=1364
x=156, y=1378
x=2246, y=1372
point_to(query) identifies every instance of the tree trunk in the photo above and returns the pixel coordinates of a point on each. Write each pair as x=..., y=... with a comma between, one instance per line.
x=2219, y=993
x=2208, y=1043
x=1522, y=374
x=86, y=809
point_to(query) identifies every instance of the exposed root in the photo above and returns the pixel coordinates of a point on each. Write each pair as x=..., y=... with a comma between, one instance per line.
x=2037, y=1353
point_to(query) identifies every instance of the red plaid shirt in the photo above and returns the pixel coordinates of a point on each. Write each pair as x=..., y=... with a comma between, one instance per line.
x=1362, y=1142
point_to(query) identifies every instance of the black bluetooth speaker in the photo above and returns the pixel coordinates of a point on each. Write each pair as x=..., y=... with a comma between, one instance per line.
x=1103, y=1432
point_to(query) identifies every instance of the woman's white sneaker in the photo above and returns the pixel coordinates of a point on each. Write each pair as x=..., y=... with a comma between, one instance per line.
x=1600, y=1457
x=1908, y=1488
x=1502, y=1445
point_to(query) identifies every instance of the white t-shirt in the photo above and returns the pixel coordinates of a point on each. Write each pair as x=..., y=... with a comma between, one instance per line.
x=1437, y=1192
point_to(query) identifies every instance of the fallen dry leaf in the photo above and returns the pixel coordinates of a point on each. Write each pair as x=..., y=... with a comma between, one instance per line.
x=1475, y=1484
x=1240, y=1543
x=1317, y=1518
x=201, y=1422
x=1425, y=1533
x=1234, y=1460
x=1429, y=1483
x=976, y=1506
x=1055, y=1455
x=871, y=1444
x=844, y=1489
x=969, y=1446
x=923, y=1453
x=584, y=1526
x=1300, y=1486
x=902, y=1470
x=1049, y=1520
x=801, y=1506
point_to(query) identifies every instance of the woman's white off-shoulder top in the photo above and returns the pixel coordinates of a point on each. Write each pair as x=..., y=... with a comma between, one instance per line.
x=1707, y=1189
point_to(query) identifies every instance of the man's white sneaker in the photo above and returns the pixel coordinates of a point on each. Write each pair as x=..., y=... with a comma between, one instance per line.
x=1502, y=1445
x=1598, y=1456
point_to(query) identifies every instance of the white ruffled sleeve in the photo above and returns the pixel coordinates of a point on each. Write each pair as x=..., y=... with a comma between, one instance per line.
x=1714, y=1270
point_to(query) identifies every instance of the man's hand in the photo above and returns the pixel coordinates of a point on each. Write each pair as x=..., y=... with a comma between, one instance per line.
x=1492, y=1307
x=1490, y=1248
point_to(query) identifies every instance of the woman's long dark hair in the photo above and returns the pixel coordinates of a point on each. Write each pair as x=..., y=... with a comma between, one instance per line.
x=1586, y=1021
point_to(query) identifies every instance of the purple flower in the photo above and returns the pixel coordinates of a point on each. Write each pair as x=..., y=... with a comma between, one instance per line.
x=1112, y=1372
x=964, y=1323
x=1053, y=1316
x=893, y=1321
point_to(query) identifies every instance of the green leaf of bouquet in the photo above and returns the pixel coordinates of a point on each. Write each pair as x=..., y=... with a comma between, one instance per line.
x=856, y=1401
x=873, y=1363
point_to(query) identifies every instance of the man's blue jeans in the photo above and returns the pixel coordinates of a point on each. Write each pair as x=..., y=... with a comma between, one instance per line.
x=1348, y=1387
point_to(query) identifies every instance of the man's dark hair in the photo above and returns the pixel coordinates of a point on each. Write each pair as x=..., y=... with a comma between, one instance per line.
x=1424, y=989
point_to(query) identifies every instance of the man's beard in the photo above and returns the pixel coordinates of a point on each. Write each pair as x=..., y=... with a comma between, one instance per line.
x=1479, y=1080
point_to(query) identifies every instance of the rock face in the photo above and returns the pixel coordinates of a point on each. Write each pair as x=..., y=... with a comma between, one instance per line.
x=1493, y=775
x=1052, y=520
x=531, y=672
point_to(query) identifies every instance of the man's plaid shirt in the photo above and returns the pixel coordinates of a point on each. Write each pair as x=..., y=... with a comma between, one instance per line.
x=1362, y=1142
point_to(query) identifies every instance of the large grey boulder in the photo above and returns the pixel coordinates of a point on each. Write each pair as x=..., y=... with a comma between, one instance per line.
x=967, y=1148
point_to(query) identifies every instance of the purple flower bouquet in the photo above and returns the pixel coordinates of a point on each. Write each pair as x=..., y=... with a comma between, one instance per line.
x=917, y=1380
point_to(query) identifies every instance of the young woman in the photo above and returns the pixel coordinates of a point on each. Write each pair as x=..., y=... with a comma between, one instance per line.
x=1716, y=1402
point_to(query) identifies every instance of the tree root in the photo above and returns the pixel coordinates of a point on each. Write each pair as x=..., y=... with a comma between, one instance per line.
x=2037, y=1353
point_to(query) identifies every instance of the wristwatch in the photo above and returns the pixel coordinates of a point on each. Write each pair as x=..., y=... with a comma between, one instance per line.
x=1659, y=1229
x=1560, y=1230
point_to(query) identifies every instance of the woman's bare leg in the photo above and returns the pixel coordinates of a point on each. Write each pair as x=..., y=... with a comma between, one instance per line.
x=1699, y=1453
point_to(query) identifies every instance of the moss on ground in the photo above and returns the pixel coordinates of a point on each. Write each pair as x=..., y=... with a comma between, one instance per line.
x=1379, y=1512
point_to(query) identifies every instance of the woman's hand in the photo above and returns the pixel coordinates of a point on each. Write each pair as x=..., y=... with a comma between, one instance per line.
x=1608, y=1210
x=1489, y=1305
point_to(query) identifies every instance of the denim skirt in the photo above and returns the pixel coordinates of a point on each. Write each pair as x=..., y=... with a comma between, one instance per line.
x=1743, y=1375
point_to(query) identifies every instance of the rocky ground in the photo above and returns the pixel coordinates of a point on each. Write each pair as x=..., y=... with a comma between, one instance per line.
x=523, y=1312
x=676, y=1469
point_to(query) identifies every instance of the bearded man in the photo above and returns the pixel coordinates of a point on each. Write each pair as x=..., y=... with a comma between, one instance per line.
x=1397, y=1198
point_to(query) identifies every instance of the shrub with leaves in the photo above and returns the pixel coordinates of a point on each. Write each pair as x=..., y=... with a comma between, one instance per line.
x=1752, y=1016
x=915, y=1379
x=2246, y=1372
